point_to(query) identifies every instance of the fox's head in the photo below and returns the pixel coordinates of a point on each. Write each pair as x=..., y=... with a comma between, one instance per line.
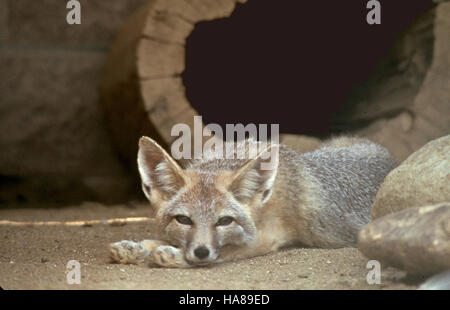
x=208, y=209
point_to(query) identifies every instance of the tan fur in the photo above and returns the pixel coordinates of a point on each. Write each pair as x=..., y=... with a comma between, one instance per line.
x=321, y=198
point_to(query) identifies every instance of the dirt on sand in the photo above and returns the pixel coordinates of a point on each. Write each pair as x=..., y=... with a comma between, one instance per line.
x=35, y=257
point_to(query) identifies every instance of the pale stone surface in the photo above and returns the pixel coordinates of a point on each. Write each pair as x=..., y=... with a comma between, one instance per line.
x=422, y=179
x=416, y=240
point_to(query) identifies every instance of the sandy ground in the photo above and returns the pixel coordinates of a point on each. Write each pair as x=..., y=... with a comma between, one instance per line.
x=35, y=257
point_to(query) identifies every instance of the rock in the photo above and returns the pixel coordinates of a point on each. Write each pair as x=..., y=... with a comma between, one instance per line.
x=416, y=240
x=300, y=144
x=3, y=21
x=44, y=23
x=53, y=139
x=440, y=281
x=422, y=179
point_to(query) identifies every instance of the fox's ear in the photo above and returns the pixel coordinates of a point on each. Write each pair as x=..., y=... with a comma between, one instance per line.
x=159, y=172
x=257, y=176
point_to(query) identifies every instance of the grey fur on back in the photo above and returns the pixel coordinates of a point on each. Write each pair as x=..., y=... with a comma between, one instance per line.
x=348, y=172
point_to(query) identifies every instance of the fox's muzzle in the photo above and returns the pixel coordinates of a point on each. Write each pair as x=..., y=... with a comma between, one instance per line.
x=201, y=249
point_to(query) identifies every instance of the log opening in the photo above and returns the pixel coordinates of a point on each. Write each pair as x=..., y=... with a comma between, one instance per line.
x=291, y=62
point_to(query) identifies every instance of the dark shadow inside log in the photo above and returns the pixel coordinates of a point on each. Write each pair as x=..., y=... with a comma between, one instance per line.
x=297, y=63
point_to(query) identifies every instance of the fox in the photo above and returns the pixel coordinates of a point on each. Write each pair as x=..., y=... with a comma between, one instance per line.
x=224, y=208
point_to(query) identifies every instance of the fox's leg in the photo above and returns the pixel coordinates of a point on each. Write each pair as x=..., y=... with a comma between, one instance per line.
x=130, y=252
x=168, y=256
x=154, y=251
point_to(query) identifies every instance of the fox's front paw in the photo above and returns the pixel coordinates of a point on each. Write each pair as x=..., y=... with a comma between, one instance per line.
x=128, y=252
x=169, y=256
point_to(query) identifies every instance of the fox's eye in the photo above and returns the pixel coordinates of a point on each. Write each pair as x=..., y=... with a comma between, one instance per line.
x=224, y=221
x=182, y=219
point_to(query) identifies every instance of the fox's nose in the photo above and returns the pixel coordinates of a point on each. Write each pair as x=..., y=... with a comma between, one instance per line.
x=201, y=252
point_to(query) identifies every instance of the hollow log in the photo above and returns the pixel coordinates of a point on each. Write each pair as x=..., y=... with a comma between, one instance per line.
x=142, y=92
